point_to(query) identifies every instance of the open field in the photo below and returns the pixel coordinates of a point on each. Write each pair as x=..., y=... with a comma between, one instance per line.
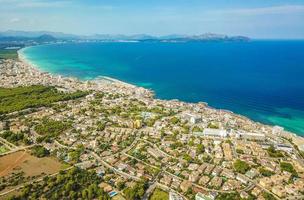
x=30, y=165
x=8, y=54
x=21, y=167
x=159, y=195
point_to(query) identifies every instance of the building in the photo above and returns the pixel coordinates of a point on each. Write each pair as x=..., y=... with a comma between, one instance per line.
x=200, y=196
x=210, y=132
x=252, y=173
x=242, y=178
x=3, y=125
x=174, y=196
x=277, y=130
x=193, y=119
x=284, y=147
x=185, y=185
x=154, y=153
x=251, y=136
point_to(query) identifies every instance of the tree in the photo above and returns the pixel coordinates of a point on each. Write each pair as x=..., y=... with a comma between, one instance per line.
x=159, y=195
x=273, y=152
x=40, y=151
x=121, y=185
x=241, y=166
x=200, y=148
x=137, y=191
x=228, y=196
x=265, y=172
x=288, y=167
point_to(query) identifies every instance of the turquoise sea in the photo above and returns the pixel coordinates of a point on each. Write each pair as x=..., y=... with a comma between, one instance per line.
x=263, y=80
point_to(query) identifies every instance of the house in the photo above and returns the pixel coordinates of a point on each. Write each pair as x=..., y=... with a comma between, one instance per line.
x=3, y=125
x=216, y=182
x=194, y=176
x=174, y=196
x=252, y=173
x=154, y=153
x=216, y=171
x=201, y=196
x=204, y=180
x=279, y=190
x=242, y=178
x=166, y=180
x=185, y=185
x=228, y=173
x=266, y=182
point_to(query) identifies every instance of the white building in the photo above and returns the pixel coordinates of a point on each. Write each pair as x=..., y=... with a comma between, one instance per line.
x=284, y=147
x=250, y=136
x=200, y=196
x=212, y=133
x=174, y=196
x=277, y=130
x=192, y=118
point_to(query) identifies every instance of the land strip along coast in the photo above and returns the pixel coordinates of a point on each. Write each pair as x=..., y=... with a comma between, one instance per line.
x=128, y=124
x=14, y=73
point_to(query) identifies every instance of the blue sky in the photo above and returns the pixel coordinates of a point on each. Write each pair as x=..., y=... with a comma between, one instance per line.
x=253, y=18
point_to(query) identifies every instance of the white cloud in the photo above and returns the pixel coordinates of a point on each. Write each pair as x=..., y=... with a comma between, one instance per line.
x=34, y=3
x=287, y=9
x=14, y=20
x=42, y=4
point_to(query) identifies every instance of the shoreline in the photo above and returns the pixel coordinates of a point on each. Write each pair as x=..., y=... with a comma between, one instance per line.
x=25, y=60
x=102, y=79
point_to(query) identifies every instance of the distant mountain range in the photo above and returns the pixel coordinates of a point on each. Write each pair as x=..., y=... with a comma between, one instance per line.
x=45, y=37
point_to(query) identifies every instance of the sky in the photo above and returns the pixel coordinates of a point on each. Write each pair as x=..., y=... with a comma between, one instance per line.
x=254, y=18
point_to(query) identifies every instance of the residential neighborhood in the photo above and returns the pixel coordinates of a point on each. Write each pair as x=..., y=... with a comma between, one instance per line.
x=125, y=135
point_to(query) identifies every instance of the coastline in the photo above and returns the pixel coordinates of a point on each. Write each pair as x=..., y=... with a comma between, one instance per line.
x=27, y=61
x=100, y=80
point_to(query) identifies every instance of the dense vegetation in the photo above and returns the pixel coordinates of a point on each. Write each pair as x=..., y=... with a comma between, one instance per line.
x=137, y=191
x=73, y=184
x=268, y=196
x=39, y=151
x=265, y=172
x=285, y=166
x=228, y=196
x=273, y=152
x=19, y=98
x=8, y=54
x=15, y=138
x=51, y=127
x=241, y=166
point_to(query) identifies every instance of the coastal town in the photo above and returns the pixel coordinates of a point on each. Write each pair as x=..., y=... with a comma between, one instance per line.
x=127, y=136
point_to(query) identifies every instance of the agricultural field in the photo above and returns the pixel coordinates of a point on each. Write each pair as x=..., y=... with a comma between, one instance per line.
x=20, y=167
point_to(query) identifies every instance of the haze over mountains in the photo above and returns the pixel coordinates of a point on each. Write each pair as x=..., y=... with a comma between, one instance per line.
x=46, y=36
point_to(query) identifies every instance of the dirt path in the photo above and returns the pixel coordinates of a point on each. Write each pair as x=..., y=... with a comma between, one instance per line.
x=15, y=163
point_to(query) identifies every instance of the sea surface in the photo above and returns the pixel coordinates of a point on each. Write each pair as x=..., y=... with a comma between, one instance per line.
x=263, y=80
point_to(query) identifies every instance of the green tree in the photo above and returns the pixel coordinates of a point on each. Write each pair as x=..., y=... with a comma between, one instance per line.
x=241, y=166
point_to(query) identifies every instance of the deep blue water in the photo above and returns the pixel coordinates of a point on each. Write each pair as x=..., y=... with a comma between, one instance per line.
x=259, y=79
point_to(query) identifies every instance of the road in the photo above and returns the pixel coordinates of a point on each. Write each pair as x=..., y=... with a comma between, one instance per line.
x=17, y=149
x=97, y=157
x=32, y=181
x=7, y=144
